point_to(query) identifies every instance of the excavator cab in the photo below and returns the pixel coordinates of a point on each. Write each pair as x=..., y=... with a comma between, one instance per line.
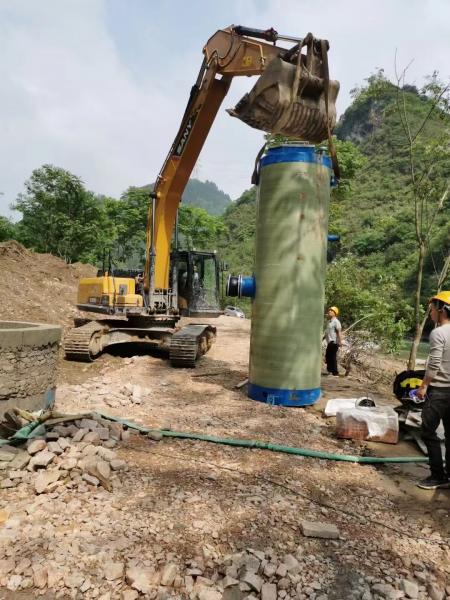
x=196, y=275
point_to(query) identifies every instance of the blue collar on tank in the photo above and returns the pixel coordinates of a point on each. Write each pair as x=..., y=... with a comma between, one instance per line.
x=296, y=152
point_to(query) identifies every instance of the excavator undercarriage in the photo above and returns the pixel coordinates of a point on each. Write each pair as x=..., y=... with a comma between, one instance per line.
x=184, y=346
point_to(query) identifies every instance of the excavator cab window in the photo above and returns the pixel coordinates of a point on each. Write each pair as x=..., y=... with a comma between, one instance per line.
x=197, y=278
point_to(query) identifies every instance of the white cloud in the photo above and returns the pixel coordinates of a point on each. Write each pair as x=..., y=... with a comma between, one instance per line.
x=71, y=96
x=69, y=100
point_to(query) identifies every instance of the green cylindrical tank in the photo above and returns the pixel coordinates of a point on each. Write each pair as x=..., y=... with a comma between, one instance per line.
x=290, y=262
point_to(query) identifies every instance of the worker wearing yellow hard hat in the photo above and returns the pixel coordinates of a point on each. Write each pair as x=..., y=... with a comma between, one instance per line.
x=333, y=337
x=435, y=389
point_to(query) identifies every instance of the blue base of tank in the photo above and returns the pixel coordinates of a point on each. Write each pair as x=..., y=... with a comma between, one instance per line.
x=280, y=397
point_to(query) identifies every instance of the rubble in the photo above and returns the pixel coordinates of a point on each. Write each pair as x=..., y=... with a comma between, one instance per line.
x=196, y=521
x=319, y=530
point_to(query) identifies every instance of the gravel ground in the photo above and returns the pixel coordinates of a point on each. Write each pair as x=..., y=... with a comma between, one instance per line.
x=189, y=519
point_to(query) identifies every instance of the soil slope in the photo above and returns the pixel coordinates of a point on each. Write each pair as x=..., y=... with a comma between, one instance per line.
x=39, y=287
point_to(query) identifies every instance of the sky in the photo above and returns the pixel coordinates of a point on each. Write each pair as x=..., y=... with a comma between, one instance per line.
x=99, y=87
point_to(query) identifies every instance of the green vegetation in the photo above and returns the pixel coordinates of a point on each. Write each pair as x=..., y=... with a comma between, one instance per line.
x=393, y=145
x=206, y=195
x=61, y=217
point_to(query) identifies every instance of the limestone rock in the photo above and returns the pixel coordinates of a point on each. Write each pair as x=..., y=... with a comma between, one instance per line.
x=44, y=479
x=254, y=581
x=79, y=435
x=106, y=454
x=18, y=474
x=63, y=443
x=252, y=564
x=270, y=570
x=85, y=586
x=39, y=575
x=410, y=588
x=232, y=593
x=292, y=564
x=229, y=581
x=129, y=594
x=90, y=479
x=113, y=570
x=42, y=459
x=8, y=483
x=101, y=470
x=6, y=456
x=89, y=424
x=92, y=437
x=115, y=431
x=140, y=578
x=54, y=576
x=320, y=530
x=269, y=591
x=281, y=570
x=6, y=566
x=169, y=573
x=118, y=465
x=20, y=461
x=54, y=447
x=36, y=446
x=103, y=433
x=209, y=594
x=386, y=591
x=435, y=592
x=73, y=580
x=14, y=583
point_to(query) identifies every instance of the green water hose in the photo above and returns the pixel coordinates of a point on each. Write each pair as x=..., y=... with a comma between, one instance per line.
x=240, y=443
x=37, y=428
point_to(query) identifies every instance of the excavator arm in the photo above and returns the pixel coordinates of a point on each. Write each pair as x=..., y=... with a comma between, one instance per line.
x=293, y=96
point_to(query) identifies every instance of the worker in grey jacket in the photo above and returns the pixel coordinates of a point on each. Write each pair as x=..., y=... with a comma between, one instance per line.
x=435, y=389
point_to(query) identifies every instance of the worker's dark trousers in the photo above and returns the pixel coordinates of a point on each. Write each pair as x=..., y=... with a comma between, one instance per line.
x=331, y=358
x=435, y=410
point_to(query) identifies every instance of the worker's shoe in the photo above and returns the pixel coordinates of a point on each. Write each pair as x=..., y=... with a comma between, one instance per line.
x=432, y=483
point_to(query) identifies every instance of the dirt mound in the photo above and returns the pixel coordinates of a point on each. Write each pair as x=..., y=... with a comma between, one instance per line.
x=39, y=287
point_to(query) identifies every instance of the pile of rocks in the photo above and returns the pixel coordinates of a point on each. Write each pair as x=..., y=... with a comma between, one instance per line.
x=78, y=455
x=100, y=393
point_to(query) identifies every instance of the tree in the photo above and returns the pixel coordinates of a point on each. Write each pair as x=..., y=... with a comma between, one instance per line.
x=198, y=229
x=60, y=216
x=377, y=309
x=428, y=179
x=7, y=229
x=128, y=221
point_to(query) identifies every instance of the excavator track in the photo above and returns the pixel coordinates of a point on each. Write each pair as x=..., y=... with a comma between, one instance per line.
x=189, y=343
x=78, y=344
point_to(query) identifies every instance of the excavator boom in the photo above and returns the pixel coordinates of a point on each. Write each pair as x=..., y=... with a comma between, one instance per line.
x=293, y=96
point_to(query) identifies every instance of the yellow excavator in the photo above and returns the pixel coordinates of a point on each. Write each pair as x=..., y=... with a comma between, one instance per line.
x=293, y=97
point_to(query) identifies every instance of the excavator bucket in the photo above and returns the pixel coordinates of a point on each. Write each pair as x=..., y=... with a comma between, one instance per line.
x=294, y=96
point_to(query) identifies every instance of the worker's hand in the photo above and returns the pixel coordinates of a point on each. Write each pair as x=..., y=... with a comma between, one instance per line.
x=421, y=392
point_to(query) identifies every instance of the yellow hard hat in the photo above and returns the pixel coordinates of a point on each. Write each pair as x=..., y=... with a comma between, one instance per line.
x=443, y=297
x=336, y=310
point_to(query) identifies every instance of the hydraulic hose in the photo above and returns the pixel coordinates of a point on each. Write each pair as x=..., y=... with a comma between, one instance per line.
x=242, y=443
